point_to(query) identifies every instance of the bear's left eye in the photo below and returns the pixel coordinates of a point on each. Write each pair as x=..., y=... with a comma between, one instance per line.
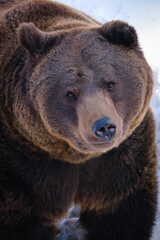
x=110, y=86
x=71, y=96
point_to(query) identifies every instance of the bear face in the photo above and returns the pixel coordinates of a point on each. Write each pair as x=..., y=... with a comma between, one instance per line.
x=89, y=88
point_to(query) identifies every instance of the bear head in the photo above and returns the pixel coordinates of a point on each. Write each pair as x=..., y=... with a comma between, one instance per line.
x=87, y=89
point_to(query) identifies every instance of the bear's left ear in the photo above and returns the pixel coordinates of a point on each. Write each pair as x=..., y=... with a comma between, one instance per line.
x=119, y=32
x=34, y=40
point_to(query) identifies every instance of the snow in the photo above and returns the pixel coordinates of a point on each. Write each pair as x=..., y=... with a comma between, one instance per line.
x=144, y=16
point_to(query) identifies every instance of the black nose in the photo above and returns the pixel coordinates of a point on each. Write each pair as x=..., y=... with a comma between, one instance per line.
x=104, y=128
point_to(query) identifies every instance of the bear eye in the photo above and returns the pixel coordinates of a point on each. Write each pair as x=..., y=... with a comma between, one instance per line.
x=71, y=96
x=110, y=86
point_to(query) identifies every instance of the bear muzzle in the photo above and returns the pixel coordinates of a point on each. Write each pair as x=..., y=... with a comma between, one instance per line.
x=100, y=125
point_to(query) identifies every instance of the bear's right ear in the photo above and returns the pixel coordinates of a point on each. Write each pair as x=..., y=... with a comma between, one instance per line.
x=34, y=40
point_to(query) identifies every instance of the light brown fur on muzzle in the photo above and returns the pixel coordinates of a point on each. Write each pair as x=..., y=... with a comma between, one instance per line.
x=93, y=108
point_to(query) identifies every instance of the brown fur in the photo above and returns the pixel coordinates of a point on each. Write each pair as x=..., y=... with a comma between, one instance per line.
x=56, y=64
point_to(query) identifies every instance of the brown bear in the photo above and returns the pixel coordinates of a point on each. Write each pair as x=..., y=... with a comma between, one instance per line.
x=75, y=125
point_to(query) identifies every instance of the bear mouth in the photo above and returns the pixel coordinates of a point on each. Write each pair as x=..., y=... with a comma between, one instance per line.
x=103, y=143
x=88, y=145
x=98, y=145
x=101, y=146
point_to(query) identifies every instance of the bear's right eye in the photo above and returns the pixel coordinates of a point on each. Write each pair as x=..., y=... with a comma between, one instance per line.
x=71, y=96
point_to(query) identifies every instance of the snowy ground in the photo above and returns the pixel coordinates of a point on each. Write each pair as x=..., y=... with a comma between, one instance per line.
x=144, y=15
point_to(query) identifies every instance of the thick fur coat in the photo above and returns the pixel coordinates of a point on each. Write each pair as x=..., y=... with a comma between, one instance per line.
x=75, y=125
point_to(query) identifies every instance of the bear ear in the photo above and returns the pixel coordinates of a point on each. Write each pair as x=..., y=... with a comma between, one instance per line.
x=119, y=32
x=34, y=40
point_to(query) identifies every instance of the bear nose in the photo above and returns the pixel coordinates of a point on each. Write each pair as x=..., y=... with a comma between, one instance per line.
x=104, y=128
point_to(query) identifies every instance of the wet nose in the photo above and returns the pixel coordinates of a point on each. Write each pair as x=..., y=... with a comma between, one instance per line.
x=104, y=128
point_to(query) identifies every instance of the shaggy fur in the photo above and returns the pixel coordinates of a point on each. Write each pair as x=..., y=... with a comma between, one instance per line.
x=61, y=72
